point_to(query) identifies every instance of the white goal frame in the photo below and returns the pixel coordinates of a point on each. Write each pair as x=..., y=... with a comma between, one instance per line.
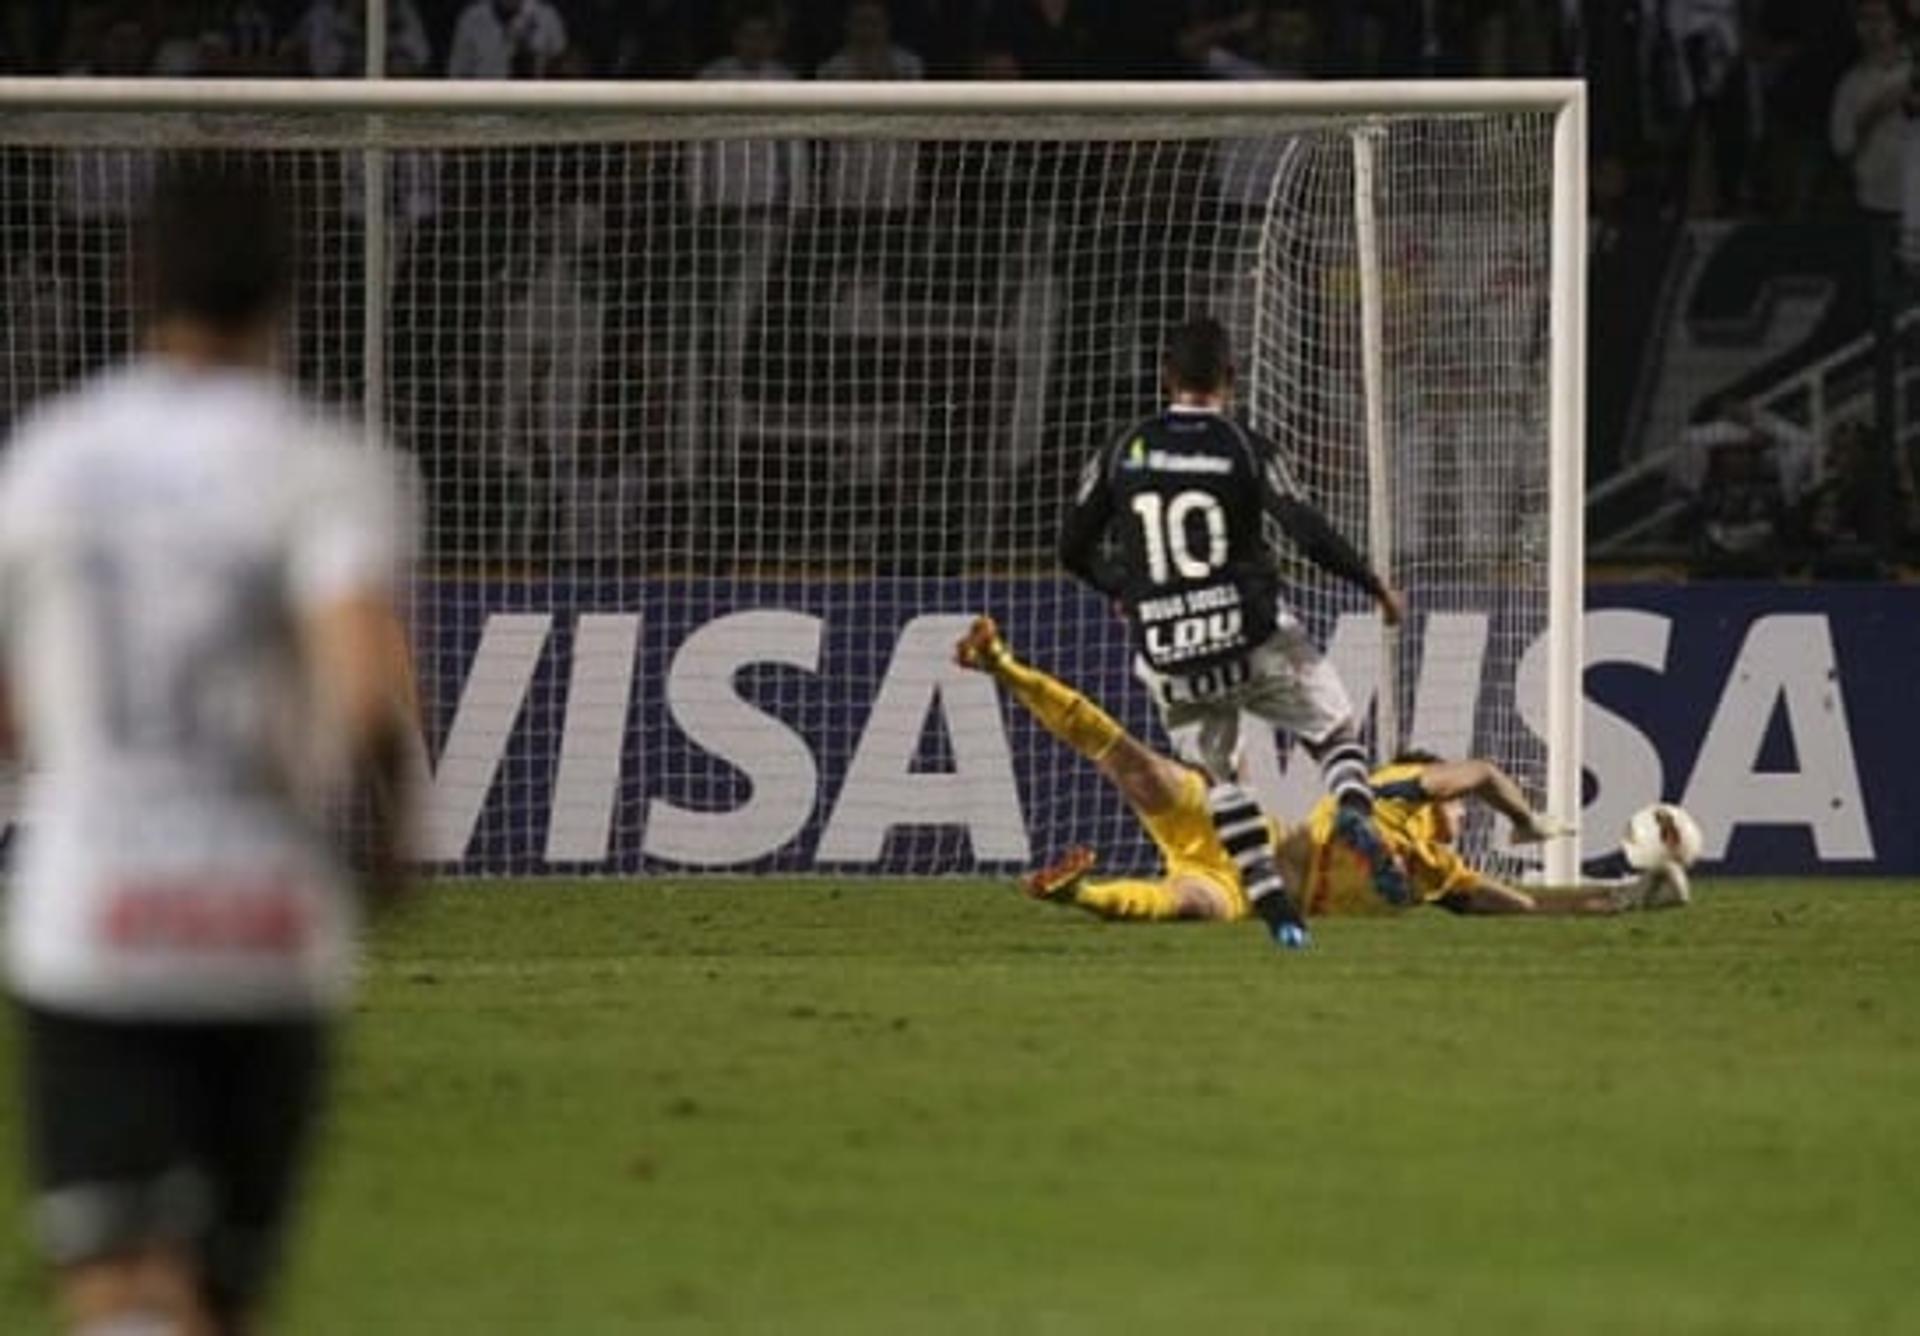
x=1132, y=106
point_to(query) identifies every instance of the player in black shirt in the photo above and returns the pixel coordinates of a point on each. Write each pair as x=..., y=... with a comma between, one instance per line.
x=1200, y=505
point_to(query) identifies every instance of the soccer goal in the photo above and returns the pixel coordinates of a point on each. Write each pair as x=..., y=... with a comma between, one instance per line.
x=732, y=403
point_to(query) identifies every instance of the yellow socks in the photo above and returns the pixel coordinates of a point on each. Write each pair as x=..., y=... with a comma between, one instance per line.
x=1061, y=710
x=1128, y=899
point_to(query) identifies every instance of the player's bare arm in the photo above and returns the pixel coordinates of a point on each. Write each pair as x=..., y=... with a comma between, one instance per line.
x=1446, y=781
x=1489, y=896
x=357, y=656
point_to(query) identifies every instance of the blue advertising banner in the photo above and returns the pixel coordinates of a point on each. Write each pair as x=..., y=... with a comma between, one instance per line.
x=1783, y=718
x=763, y=725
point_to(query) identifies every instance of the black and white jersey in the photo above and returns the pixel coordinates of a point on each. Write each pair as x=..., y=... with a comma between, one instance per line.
x=1194, y=500
x=161, y=533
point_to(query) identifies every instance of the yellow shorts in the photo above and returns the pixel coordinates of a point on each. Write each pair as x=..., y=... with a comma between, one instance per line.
x=1186, y=839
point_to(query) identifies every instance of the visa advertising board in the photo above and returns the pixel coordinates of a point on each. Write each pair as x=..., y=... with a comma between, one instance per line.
x=784, y=725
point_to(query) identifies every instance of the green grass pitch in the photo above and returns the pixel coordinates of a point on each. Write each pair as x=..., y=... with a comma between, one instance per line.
x=868, y=1107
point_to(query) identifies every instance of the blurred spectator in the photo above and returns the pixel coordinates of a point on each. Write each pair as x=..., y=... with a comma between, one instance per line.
x=869, y=52
x=1747, y=475
x=946, y=33
x=1051, y=39
x=753, y=48
x=757, y=174
x=101, y=41
x=1407, y=38
x=180, y=49
x=40, y=337
x=1848, y=513
x=1799, y=53
x=628, y=39
x=506, y=39
x=19, y=51
x=871, y=175
x=1712, y=91
x=243, y=39
x=329, y=41
x=553, y=332
x=1869, y=124
x=997, y=65
x=1283, y=44
x=1143, y=41
x=1520, y=39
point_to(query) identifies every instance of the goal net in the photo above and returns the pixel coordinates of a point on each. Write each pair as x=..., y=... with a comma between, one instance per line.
x=729, y=413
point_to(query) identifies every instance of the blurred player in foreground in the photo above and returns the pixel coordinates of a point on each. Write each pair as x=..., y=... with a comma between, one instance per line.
x=203, y=659
x=1335, y=862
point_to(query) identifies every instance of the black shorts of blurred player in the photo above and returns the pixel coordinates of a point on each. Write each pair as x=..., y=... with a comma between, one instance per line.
x=162, y=1159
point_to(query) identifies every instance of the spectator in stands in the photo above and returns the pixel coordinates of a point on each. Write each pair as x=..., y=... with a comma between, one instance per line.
x=871, y=175
x=1868, y=123
x=1052, y=39
x=553, y=343
x=1713, y=84
x=945, y=32
x=1282, y=44
x=242, y=39
x=328, y=40
x=103, y=42
x=628, y=39
x=1799, y=55
x=749, y=175
x=869, y=52
x=997, y=65
x=1526, y=38
x=1409, y=38
x=182, y=46
x=1747, y=475
x=1852, y=510
x=506, y=39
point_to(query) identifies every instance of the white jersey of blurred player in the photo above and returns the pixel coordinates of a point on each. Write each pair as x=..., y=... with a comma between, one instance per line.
x=180, y=520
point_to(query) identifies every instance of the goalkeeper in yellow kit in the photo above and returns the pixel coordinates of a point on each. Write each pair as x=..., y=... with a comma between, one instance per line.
x=1335, y=862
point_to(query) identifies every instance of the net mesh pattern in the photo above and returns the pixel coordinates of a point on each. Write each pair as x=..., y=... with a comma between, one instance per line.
x=720, y=427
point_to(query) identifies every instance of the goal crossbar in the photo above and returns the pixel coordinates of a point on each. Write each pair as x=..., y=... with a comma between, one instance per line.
x=1135, y=101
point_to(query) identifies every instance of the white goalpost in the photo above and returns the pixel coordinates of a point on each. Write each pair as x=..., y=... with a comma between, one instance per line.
x=732, y=402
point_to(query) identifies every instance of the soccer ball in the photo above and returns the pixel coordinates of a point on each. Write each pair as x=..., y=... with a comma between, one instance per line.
x=1660, y=835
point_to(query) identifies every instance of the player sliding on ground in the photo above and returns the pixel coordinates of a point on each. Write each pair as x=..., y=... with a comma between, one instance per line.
x=1336, y=862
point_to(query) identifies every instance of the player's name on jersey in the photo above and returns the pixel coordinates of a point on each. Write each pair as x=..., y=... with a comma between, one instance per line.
x=1160, y=461
x=1213, y=598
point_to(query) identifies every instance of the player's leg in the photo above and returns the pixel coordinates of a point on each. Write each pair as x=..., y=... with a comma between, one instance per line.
x=1150, y=782
x=118, y=1207
x=253, y=1138
x=1154, y=786
x=1206, y=733
x=1179, y=896
x=1295, y=688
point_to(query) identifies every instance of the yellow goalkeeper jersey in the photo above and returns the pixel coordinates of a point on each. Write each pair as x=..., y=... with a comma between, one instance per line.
x=1410, y=824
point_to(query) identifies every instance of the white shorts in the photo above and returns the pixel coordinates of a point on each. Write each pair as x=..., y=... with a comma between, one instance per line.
x=1286, y=681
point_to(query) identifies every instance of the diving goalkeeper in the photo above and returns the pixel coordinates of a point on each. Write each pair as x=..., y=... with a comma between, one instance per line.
x=1335, y=862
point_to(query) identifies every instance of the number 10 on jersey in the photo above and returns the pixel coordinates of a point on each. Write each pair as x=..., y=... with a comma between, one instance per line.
x=1163, y=529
